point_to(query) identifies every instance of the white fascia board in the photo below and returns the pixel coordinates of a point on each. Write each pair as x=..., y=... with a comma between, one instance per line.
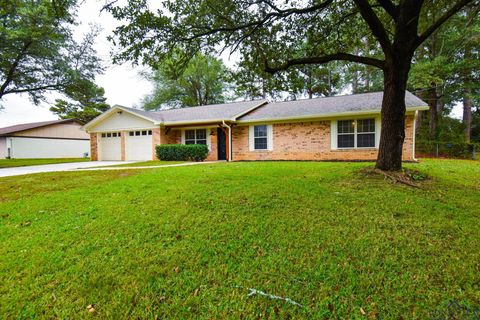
x=110, y=111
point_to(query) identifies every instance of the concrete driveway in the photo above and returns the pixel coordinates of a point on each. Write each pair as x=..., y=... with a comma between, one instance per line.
x=17, y=171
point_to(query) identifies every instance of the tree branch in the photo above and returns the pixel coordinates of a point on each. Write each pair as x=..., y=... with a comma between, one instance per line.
x=340, y=56
x=390, y=8
x=453, y=10
x=276, y=14
x=45, y=87
x=376, y=26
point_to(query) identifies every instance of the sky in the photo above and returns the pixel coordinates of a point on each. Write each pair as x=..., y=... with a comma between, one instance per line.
x=122, y=83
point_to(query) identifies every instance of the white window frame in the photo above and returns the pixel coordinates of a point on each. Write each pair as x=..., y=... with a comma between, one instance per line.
x=251, y=137
x=207, y=130
x=334, y=133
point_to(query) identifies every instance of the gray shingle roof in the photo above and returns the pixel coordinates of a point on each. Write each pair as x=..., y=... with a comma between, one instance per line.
x=224, y=111
x=32, y=125
x=364, y=102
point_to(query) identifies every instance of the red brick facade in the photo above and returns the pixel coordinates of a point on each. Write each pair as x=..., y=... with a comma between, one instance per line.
x=93, y=147
x=308, y=141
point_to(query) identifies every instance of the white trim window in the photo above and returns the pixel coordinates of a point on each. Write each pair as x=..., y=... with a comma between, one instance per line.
x=355, y=133
x=261, y=137
x=196, y=136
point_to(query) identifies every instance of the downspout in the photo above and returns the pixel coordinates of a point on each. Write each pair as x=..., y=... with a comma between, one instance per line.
x=229, y=141
x=414, y=134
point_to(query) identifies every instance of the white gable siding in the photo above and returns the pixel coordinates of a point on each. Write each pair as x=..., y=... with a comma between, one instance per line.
x=3, y=147
x=122, y=120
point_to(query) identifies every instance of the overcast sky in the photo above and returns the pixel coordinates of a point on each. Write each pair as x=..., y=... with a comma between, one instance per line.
x=123, y=84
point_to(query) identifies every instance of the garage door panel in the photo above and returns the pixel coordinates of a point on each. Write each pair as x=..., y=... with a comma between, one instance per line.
x=110, y=147
x=138, y=145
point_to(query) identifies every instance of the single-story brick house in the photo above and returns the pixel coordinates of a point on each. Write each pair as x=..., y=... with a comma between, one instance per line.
x=334, y=128
x=46, y=139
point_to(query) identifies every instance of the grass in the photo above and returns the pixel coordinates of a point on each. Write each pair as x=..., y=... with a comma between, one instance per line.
x=10, y=163
x=150, y=163
x=186, y=242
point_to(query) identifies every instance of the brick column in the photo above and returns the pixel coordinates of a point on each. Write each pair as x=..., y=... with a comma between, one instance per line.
x=93, y=147
x=122, y=145
x=156, y=140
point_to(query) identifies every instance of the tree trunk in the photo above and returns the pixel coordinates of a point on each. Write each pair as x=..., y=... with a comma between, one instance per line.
x=393, y=115
x=433, y=111
x=467, y=113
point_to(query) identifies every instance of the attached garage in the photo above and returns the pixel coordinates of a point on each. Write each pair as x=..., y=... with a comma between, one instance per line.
x=109, y=146
x=123, y=134
x=139, y=145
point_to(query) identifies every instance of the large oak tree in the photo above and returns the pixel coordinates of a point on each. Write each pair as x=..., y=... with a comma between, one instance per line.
x=38, y=52
x=272, y=31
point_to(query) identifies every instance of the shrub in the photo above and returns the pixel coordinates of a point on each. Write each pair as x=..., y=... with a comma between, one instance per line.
x=182, y=152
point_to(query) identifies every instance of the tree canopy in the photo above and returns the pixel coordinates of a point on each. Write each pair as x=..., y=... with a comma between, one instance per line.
x=85, y=102
x=181, y=82
x=37, y=50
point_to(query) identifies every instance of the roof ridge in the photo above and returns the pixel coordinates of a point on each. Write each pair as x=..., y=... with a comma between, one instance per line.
x=208, y=105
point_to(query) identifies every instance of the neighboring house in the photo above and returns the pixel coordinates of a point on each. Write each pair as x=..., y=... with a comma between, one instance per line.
x=47, y=139
x=333, y=128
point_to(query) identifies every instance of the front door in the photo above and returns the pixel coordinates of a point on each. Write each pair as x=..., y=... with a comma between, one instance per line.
x=221, y=144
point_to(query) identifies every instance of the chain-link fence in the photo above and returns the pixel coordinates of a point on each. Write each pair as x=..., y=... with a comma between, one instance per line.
x=447, y=149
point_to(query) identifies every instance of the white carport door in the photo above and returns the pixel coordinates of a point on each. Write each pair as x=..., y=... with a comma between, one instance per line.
x=110, y=146
x=138, y=145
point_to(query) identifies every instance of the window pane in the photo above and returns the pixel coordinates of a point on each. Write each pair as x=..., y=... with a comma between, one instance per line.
x=131, y=133
x=346, y=141
x=201, y=134
x=109, y=135
x=149, y=132
x=114, y=134
x=365, y=140
x=119, y=134
x=260, y=131
x=137, y=133
x=201, y=141
x=103, y=135
x=189, y=141
x=189, y=134
x=345, y=126
x=366, y=125
x=260, y=143
x=144, y=133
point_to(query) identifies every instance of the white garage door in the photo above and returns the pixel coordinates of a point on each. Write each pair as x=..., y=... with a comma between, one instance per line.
x=138, y=145
x=109, y=146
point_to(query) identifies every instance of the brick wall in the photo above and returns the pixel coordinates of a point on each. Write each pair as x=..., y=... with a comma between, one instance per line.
x=307, y=141
x=93, y=147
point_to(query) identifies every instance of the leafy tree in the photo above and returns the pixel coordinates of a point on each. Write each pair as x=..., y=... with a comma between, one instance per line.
x=86, y=101
x=274, y=31
x=180, y=82
x=37, y=51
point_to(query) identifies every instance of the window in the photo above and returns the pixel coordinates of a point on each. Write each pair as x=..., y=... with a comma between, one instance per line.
x=198, y=136
x=356, y=133
x=131, y=133
x=103, y=135
x=260, y=137
x=149, y=132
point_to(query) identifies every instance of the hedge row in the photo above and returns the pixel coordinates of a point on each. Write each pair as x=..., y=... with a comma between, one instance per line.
x=448, y=149
x=182, y=152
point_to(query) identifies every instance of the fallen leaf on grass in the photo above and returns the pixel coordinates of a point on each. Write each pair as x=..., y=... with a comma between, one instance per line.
x=90, y=308
x=362, y=311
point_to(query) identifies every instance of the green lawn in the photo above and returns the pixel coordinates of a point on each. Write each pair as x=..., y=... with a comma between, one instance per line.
x=9, y=163
x=186, y=242
x=150, y=163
